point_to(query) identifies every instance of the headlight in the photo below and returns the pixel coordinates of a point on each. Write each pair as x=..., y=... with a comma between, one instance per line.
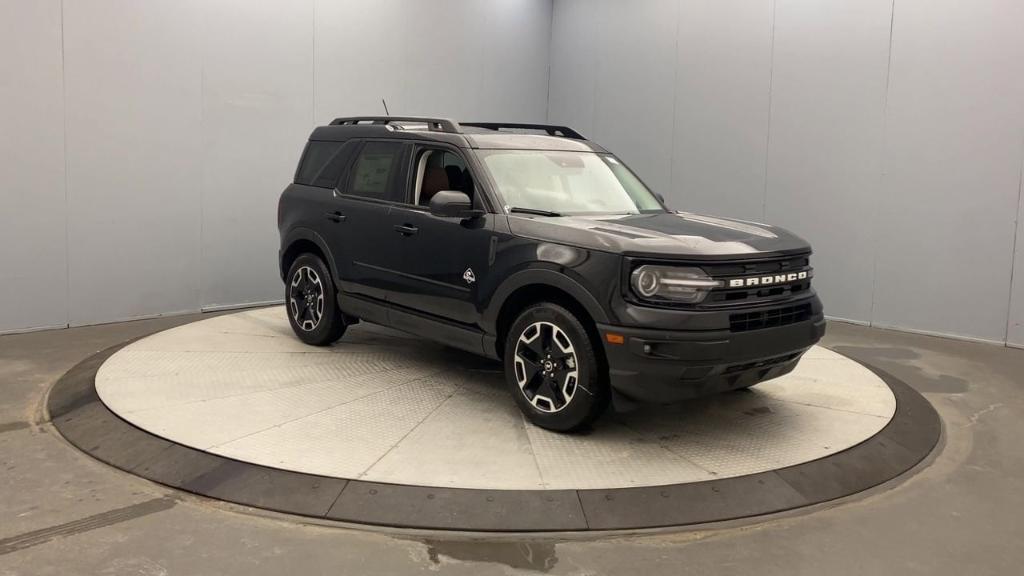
x=671, y=284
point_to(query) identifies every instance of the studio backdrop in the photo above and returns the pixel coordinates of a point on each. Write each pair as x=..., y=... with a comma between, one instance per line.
x=143, y=144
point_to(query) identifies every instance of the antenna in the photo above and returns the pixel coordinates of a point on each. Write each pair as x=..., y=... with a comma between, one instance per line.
x=384, y=102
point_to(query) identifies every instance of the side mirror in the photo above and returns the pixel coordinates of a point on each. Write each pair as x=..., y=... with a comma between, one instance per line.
x=453, y=204
x=660, y=198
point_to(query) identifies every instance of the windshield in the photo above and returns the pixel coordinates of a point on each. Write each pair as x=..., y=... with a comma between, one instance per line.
x=563, y=182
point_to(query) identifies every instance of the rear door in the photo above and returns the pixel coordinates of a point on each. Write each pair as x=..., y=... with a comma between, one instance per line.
x=362, y=238
x=441, y=258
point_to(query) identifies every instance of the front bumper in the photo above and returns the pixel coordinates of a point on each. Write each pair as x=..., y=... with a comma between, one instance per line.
x=665, y=366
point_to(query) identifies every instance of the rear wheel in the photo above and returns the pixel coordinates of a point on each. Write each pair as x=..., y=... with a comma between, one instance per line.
x=552, y=369
x=311, y=301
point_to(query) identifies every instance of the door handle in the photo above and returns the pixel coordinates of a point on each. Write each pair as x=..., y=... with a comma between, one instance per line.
x=406, y=229
x=335, y=216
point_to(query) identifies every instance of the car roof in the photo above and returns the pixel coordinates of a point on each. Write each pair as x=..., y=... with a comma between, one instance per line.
x=480, y=135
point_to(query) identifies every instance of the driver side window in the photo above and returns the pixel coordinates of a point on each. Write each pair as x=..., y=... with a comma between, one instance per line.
x=438, y=170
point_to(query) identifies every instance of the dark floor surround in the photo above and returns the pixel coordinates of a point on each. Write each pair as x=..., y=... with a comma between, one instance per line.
x=80, y=416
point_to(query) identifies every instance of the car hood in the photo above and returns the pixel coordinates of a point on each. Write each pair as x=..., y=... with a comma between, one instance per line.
x=663, y=235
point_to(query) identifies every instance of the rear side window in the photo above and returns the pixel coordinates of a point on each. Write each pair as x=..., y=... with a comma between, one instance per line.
x=375, y=170
x=322, y=164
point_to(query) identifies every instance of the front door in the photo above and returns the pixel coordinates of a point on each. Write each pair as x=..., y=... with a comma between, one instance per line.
x=443, y=259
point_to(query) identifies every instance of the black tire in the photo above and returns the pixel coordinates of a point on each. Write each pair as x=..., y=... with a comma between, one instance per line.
x=553, y=397
x=311, y=302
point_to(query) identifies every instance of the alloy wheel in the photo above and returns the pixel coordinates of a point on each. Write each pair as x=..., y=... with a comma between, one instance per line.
x=306, y=298
x=546, y=366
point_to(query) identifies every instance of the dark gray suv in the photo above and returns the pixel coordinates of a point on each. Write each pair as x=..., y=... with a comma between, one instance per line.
x=528, y=243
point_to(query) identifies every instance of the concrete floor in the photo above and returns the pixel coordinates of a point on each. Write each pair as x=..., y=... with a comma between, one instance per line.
x=64, y=513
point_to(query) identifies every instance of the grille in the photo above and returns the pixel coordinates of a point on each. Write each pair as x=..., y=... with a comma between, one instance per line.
x=720, y=297
x=757, y=267
x=773, y=318
x=745, y=296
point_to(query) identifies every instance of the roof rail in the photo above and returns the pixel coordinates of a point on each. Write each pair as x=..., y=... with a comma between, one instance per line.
x=433, y=124
x=551, y=130
x=453, y=127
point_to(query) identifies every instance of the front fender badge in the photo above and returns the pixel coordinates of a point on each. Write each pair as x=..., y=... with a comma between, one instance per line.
x=468, y=276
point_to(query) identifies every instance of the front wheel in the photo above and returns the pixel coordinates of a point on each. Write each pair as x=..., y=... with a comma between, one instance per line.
x=552, y=369
x=311, y=301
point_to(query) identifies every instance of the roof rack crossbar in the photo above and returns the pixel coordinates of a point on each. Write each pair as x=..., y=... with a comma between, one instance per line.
x=550, y=129
x=433, y=124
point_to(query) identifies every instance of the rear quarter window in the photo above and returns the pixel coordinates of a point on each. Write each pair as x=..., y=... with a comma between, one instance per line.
x=321, y=164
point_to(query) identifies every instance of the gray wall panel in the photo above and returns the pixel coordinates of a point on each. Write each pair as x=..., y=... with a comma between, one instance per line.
x=1015, y=324
x=617, y=70
x=574, y=42
x=444, y=78
x=350, y=57
x=471, y=60
x=514, y=74
x=952, y=167
x=132, y=77
x=33, y=264
x=898, y=174
x=185, y=120
x=824, y=162
x=721, y=107
x=257, y=114
x=678, y=89
x=634, y=87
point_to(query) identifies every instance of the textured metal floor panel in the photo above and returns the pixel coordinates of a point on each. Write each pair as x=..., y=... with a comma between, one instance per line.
x=469, y=426
x=381, y=406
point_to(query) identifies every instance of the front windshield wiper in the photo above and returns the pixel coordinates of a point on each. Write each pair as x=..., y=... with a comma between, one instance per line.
x=533, y=211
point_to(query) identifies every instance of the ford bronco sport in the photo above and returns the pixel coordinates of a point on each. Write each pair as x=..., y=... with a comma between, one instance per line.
x=530, y=244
